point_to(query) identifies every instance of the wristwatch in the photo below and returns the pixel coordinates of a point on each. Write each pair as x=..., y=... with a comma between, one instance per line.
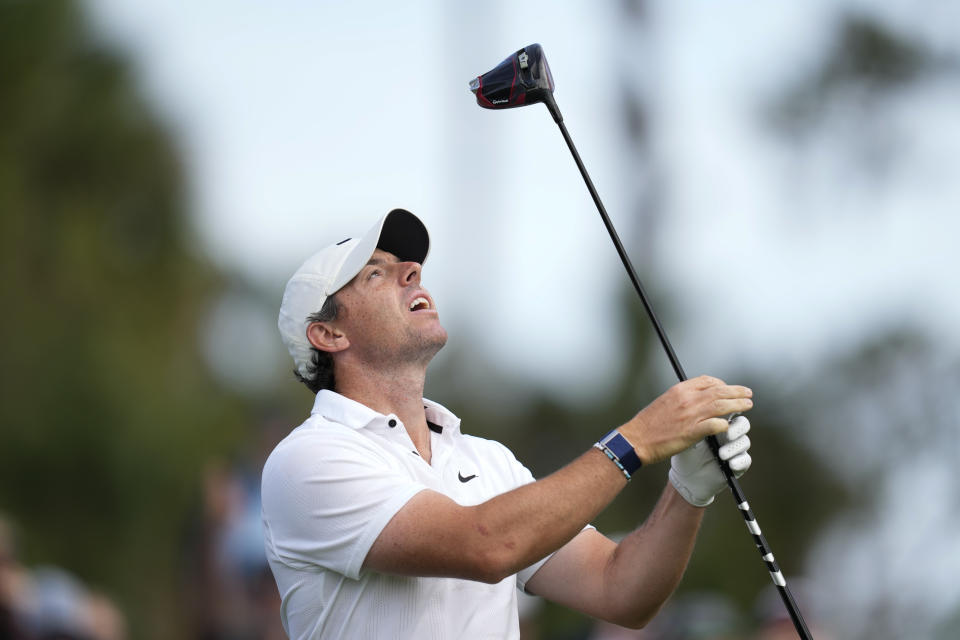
x=620, y=452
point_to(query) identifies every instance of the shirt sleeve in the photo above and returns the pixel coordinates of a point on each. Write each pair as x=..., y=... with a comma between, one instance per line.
x=327, y=495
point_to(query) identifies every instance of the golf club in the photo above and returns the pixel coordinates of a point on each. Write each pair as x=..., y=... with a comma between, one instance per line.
x=524, y=78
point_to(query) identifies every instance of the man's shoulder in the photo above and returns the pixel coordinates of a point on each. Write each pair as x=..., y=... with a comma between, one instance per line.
x=315, y=436
x=488, y=448
x=480, y=441
x=316, y=426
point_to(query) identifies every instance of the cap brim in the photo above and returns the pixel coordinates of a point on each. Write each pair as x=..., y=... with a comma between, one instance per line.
x=405, y=236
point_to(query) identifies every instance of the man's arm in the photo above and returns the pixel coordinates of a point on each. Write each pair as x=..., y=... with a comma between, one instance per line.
x=625, y=583
x=434, y=536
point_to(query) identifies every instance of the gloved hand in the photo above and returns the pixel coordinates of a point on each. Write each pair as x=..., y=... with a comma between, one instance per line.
x=695, y=473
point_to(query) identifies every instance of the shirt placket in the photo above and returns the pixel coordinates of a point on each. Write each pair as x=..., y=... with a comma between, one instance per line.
x=394, y=430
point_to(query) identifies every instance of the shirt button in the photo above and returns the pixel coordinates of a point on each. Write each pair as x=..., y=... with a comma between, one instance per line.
x=392, y=423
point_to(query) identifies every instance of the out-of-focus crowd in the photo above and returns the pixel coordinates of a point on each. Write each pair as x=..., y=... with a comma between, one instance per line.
x=48, y=603
x=229, y=590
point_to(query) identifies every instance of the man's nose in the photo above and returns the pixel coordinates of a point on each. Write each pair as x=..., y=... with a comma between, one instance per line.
x=410, y=273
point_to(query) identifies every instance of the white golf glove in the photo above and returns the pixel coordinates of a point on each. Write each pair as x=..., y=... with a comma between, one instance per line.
x=695, y=473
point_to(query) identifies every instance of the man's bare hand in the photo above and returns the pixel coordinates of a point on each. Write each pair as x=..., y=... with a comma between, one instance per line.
x=683, y=415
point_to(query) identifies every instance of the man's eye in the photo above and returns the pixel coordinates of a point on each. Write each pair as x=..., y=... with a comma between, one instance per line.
x=375, y=272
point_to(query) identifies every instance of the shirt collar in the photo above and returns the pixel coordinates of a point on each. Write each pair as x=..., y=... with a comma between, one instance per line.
x=341, y=409
x=441, y=416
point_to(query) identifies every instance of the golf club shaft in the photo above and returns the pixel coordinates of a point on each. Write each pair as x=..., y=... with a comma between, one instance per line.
x=765, y=552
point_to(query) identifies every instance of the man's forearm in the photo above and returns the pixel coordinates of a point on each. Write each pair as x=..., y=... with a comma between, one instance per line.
x=648, y=564
x=674, y=421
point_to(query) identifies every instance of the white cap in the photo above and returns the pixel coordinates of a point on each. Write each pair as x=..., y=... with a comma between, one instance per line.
x=326, y=272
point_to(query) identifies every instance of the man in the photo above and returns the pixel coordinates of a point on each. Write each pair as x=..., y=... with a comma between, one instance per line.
x=383, y=520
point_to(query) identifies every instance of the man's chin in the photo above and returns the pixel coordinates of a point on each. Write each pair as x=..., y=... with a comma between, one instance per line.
x=426, y=344
x=439, y=340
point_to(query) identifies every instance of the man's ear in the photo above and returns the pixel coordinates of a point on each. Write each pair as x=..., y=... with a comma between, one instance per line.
x=326, y=337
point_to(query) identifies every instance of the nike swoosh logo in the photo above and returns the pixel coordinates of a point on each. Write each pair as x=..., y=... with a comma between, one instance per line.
x=465, y=479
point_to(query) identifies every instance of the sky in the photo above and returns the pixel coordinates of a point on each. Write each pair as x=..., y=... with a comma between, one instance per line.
x=302, y=122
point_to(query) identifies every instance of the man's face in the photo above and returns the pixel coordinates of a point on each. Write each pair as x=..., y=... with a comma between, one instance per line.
x=387, y=316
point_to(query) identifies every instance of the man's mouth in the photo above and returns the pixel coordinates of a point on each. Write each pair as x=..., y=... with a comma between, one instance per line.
x=419, y=304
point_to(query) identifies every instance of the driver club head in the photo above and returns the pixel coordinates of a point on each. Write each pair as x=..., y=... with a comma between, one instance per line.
x=523, y=78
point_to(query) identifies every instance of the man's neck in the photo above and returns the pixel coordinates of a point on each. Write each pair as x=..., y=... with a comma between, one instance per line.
x=399, y=392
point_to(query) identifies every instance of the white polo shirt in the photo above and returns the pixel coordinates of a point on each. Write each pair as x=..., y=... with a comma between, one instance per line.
x=331, y=486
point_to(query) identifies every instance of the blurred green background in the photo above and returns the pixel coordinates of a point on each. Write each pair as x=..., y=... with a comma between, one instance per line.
x=128, y=459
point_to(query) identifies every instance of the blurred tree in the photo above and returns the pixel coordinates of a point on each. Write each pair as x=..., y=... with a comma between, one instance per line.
x=886, y=421
x=851, y=101
x=106, y=410
x=867, y=56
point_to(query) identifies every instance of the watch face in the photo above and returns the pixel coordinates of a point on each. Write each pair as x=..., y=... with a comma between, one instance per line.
x=618, y=444
x=621, y=448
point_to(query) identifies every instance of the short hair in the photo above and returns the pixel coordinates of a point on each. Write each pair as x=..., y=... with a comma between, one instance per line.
x=320, y=370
